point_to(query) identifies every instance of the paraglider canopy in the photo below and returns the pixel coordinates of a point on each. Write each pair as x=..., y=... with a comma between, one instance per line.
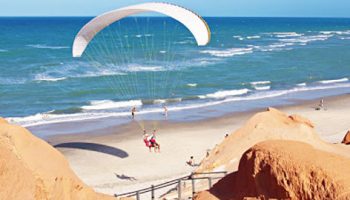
x=197, y=26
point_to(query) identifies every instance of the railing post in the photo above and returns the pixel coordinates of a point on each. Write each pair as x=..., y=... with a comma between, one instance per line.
x=152, y=192
x=137, y=195
x=193, y=188
x=210, y=182
x=179, y=189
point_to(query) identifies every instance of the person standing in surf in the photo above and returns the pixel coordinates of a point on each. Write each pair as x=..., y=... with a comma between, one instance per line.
x=133, y=111
x=165, y=112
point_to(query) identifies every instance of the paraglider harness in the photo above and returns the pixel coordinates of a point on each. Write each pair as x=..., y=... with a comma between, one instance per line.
x=150, y=141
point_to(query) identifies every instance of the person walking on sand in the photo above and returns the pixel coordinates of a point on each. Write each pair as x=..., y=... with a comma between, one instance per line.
x=133, y=111
x=321, y=104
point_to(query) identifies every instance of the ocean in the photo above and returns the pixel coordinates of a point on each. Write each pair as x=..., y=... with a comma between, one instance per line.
x=151, y=62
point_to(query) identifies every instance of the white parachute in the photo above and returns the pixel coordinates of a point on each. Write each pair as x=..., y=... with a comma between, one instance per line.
x=197, y=26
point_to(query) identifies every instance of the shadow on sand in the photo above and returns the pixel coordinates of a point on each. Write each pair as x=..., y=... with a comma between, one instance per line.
x=94, y=147
x=125, y=177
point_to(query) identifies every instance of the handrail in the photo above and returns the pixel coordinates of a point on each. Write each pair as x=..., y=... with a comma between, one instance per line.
x=148, y=188
x=171, y=182
x=200, y=173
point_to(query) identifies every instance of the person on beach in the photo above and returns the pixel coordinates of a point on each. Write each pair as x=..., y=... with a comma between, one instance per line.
x=191, y=161
x=320, y=105
x=208, y=152
x=133, y=111
x=165, y=111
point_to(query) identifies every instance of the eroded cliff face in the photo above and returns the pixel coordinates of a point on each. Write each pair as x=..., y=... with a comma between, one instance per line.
x=346, y=139
x=269, y=125
x=32, y=169
x=285, y=170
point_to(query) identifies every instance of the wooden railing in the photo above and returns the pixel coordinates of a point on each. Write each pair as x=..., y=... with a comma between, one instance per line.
x=177, y=182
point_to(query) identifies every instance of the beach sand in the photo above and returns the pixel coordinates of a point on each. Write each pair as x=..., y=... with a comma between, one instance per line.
x=115, y=160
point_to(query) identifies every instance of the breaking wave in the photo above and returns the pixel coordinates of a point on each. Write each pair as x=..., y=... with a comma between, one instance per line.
x=41, y=77
x=262, y=87
x=253, y=37
x=192, y=84
x=225, y=93
x=109, y=104
x=303, y=40
x=228, y=52
x=334, y=81
x=260, y=82
x=43, y=46
x=221, y=96
x=139, y=68
x=346, y=32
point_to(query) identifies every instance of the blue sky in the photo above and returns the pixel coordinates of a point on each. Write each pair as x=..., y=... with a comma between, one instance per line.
x=262, y=8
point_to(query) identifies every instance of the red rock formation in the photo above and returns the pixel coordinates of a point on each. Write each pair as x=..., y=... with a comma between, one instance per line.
x=269, y=125
x=346, y=139
x=285, y=170
x=32, y=169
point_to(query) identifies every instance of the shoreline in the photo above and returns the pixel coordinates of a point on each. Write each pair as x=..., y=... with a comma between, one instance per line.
x=44, y=124
x=171, y=123
x=178, y=140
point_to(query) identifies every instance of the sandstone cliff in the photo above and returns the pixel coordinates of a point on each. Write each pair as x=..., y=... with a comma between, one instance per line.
x=281, y=169
x=32, y=169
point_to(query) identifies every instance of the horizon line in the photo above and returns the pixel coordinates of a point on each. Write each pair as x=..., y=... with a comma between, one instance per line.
x=90, y=16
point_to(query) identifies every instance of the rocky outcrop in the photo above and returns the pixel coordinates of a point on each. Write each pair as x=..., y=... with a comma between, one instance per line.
x=281, y=169
x=269, y=125
x=32, y=169
x=346, y=139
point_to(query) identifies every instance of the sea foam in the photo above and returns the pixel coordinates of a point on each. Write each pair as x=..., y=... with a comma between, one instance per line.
x=286, y=34
x=43, y=46
x=44, y=118
x=262, y=87
x=140, y=68
x=41, y=77
x=108, y=104
x=225, y=93
x=303, y=40
x=334, y=81
x=192, y=84
x=260, y=82
x=253, y=37
x=228, y=52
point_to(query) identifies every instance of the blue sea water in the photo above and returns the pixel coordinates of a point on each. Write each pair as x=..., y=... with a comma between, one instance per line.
x=151, y=62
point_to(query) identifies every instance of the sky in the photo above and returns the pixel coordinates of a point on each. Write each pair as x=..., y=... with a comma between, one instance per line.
x=234, y=8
